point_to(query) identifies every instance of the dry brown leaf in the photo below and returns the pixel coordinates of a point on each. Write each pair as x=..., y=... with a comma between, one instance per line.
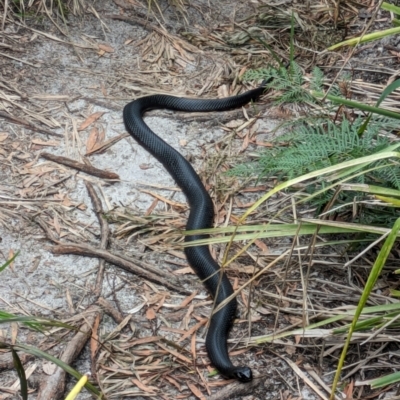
x=246, y=269
x=57, y=225
x=223, y=91
x=193, y=329
x=238, y=352
x=23, y=156
x=184, y=271
x=94, y=340
x=103, y=89
x=395, y=53
x=90, y=119
x=245, y=143
x=108, y=143
x=188, y=299
x=290, y=349
x=106, y=48
x=11, y=255
x=193, y=346
x=45, y=143
x=242, y=71
x=195, y=391
x=161, y=302
x=244, y=298
x=3, y=136
x=173, y=382
x=146, y=340
x=164, y=199
x=150, y=313
x=349, y=390
x=222, y=382
x=235, y=283
x=95, y=139
x=264, y=144
x=145, y=166
x=66, y=202
x=235, y=123
x=263, y=311
x=140, y=385
x=14, y=332
x=175, y=353
x=29, y=181
x=69, y=300
x=262, y=246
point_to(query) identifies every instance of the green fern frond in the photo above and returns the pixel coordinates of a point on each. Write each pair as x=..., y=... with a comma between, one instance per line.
x=317, y=80
x=318, y=142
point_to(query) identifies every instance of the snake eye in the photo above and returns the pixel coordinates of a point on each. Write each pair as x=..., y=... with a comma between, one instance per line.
x=244, y=374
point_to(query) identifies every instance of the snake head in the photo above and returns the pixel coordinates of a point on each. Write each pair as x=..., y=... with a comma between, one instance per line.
x=243, y=374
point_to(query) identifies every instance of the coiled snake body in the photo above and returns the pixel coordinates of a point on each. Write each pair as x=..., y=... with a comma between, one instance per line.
x=201, y=212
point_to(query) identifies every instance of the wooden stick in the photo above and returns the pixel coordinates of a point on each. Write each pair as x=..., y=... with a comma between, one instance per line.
x=145, y=271
x=31, y=127
x=104, y=234
x=110, y=310
x=53, y=387
x=88, y=169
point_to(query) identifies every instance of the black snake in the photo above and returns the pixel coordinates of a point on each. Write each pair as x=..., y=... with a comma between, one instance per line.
x=201, y=211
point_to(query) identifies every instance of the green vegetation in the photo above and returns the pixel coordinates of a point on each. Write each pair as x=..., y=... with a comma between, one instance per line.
x=319, y=141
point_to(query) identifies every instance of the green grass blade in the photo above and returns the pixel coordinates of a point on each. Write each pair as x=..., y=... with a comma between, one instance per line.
x=284, y=230
x=385, y=380
x=366, y=38
x=390, y=7
x=39, y=353
x=318, y=173
x=355, y=104
x=388, y=90
x=33, y=322
x=372, y=189
x=390, y=200
x=373, y=276
x=21, y=374
x=4, y=266
x=384, y=308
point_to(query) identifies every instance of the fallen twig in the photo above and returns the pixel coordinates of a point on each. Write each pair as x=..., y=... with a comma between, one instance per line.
x=147, y=271
x=104, y=233
x=31, y=127
x=110, y=310
x=88, y=169
x=53, y=387
x=47, y=230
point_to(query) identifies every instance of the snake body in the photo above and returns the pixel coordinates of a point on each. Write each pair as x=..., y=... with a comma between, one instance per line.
x=201, y=212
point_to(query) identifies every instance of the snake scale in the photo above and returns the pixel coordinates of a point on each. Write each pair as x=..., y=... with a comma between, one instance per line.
x=201, y=211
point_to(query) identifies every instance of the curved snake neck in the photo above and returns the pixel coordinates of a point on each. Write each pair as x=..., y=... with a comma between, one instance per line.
x=201, y=212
